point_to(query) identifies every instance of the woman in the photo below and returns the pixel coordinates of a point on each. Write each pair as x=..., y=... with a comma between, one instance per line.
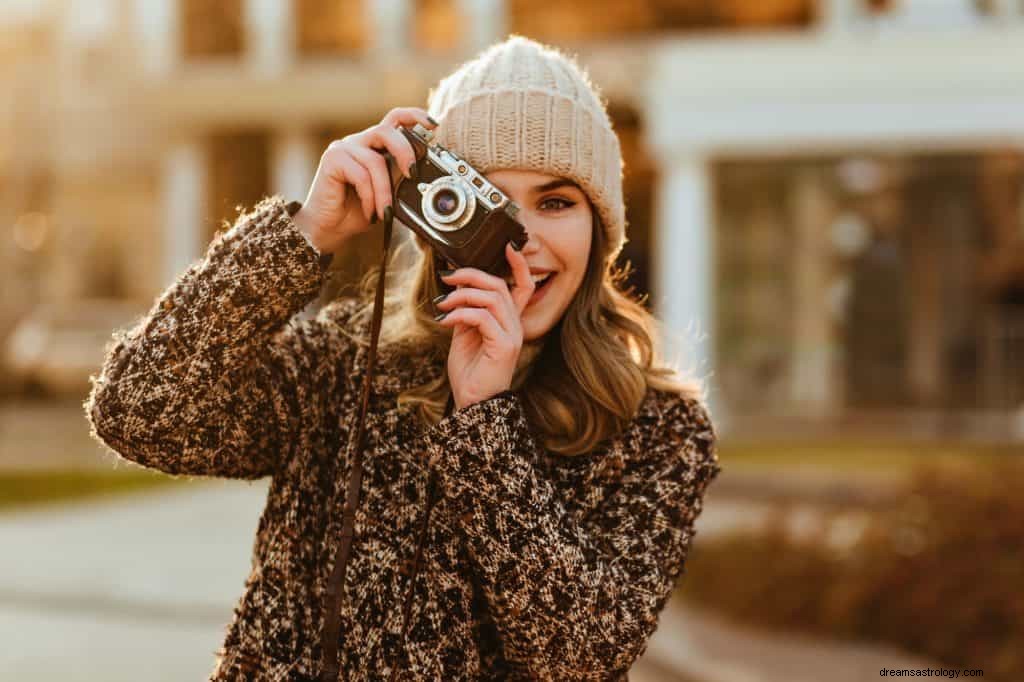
x=534, y=531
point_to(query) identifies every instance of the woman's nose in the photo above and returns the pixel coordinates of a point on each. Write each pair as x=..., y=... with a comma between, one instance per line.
x=532, y=243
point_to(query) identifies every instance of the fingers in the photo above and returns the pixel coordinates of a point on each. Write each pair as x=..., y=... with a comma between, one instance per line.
x=498, y=306
x=482, y=320
x=407, y=116
x=397, y=144
x=476, y=277
x=388, y=135
x=355, y=161
x=525, y=286
x=476, y=287
x=377, y=169
x=343, y=168
x=362, y=147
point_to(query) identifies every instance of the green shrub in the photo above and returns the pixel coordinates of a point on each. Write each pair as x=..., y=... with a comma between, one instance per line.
x=939, y=572
x=21, y=489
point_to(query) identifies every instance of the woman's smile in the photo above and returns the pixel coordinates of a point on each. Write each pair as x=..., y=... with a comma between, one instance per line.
x=541, y=283
x=542, y=288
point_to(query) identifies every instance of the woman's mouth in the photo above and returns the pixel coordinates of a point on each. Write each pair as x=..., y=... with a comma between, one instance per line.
x=541, y=284
x=541, y=288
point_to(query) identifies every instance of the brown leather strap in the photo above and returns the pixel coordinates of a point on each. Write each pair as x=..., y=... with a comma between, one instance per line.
x=332, y=601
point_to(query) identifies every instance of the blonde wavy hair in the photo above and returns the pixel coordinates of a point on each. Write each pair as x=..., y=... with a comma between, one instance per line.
x=584, y=381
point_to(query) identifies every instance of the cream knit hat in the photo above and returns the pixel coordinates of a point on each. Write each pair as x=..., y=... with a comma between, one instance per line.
x=523, y=105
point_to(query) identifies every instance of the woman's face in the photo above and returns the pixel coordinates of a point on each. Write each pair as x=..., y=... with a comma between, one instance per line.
x=557, y=216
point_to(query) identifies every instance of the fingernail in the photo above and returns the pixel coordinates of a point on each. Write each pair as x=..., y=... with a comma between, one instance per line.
x=447, y=273
x=438, y=318
x=439, y=299
x=431, y=119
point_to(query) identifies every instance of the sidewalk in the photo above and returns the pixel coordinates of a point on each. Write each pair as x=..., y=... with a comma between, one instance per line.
x=701, y=645
x=141, y=587
x=134, y=588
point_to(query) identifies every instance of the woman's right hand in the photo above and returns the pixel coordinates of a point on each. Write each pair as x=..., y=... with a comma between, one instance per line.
x=333, y=213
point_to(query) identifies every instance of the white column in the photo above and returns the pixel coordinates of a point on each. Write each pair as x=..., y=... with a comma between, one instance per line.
x=269, y=35
x=812, y=380
x=931, y=15
x=485, y=22
x=89, y=23
x=293, y=163
x=838, y=16
x=158, y=30
x=390, y=25
x=184, y=186
x=683, y=266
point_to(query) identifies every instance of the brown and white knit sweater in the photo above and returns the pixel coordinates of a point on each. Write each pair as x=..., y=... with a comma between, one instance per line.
x=535, y=565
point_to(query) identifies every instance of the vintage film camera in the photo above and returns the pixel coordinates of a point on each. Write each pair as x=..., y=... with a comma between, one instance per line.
x=465, y=219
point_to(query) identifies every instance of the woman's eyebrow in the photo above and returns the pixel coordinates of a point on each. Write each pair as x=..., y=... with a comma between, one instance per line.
x=555, y=184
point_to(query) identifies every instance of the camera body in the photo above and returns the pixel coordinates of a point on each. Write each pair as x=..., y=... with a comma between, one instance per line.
x=464, y=218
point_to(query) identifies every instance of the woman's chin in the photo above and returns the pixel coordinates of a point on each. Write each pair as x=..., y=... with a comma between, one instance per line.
x=535, y=325
x=531, y=332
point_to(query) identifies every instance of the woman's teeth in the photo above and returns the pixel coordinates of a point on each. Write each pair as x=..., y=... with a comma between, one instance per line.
x=537, y=279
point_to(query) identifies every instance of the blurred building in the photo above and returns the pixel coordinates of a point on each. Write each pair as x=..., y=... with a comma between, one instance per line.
x=830, y=190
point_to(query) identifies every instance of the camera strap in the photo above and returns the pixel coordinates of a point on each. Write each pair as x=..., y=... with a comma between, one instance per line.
x=334, y=594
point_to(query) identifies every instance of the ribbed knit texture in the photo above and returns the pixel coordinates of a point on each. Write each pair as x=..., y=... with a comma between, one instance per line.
x=520, y=104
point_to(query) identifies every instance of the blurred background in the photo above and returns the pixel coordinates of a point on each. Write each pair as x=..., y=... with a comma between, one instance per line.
x=826, y=207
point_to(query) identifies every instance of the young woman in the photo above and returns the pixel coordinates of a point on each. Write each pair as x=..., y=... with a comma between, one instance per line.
x=532, y=473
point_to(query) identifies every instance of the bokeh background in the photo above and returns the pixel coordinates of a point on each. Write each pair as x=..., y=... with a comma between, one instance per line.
x=826, y=208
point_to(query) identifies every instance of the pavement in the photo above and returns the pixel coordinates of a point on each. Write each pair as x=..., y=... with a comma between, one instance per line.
x=141, y=586
x=701, y=645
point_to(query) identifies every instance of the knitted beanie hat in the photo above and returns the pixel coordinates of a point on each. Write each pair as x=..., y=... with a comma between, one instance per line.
x=523, y=105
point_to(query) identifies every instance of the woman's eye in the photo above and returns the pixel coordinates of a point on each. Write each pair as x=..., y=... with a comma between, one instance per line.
x=566, y=203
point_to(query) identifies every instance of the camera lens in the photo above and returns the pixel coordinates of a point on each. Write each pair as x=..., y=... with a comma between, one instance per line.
x=445, y=202
x=448, y=203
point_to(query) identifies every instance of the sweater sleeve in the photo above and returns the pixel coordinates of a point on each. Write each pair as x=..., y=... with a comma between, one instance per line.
x=216, y=379
x=574, y=600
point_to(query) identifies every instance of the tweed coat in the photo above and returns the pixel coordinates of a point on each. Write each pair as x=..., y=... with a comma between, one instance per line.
x=535, y=566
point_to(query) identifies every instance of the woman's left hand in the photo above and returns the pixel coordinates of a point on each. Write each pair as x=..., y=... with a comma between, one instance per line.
x=488, y=334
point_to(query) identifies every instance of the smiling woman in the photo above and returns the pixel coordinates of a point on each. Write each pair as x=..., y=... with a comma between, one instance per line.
x=533, y=471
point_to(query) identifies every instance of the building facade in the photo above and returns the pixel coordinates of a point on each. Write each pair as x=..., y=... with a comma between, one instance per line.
x=824, y=198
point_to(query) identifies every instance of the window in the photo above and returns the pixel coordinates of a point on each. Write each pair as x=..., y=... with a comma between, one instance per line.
x=212, y=28
x=438, y=27
x=239, y=174
x=904, y=288
x=341, y=27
